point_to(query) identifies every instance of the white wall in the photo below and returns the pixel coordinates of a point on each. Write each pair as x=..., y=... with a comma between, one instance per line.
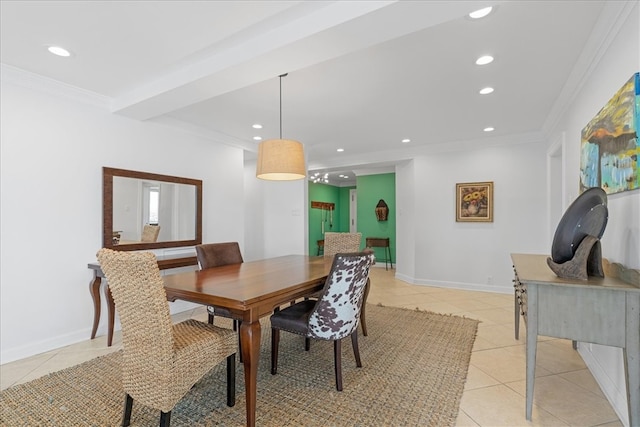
x=276, y=213
x=53, y=148
x=621, y=239
x=472, y=255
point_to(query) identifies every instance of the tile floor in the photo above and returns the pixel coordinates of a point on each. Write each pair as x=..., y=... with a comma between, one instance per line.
x=565, y=391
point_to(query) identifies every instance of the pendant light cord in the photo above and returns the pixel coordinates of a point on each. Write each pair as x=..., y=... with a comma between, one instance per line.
x=281, y=76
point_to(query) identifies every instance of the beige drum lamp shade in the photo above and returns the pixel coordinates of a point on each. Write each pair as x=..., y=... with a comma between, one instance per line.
x=280, y=160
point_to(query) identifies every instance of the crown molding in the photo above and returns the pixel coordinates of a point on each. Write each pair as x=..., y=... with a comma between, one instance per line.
x=604, y=32
x=37, y=82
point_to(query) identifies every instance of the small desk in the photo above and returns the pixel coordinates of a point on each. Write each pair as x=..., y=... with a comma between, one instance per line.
x=381, y=242
x=599, y=310
x=251, y=290
x=164, y=263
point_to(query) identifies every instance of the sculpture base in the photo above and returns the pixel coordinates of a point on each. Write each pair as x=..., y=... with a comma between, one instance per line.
x=587, y=261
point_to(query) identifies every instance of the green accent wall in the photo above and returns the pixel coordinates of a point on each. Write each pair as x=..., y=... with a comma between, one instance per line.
x=372, y=188
x=327, y=194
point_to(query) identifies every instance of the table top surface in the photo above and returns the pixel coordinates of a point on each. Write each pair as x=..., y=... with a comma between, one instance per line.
x=533, y=268
x=244, y=285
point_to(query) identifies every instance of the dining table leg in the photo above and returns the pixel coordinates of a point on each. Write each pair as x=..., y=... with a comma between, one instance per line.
x=250, y=339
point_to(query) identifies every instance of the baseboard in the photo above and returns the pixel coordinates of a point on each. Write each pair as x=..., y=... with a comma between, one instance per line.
x=54, y=343
x=456, y=285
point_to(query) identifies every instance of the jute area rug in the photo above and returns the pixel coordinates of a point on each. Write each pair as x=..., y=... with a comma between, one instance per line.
x=414, y=368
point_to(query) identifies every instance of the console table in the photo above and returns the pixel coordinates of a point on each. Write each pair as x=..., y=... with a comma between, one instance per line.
x=381, y=242
x=600, y=310
x=164, y=262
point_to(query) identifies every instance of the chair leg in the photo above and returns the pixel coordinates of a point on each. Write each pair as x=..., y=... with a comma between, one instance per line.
x=275, y=342
x=210, y=318
x=363, y=319
x=126, y=417
x=236, y=327
x=337, y=356
x=307, y=343
x=356, y=349
x=165, y=419
x=231, y=380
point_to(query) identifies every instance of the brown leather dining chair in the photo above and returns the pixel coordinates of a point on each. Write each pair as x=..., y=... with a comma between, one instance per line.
x=160, y=361
x=216, y=255
x=333, y=316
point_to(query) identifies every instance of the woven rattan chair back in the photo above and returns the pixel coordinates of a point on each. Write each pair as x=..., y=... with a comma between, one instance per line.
x=341, y=243
x=138, y=291
x=150, y=233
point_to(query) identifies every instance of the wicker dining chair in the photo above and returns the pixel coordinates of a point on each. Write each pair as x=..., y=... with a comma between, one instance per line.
x=150, y=233
x=333, y=316
x=341, y=243
x=161, y=361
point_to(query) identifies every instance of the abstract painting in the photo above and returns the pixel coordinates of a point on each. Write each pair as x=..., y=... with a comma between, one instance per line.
x=609, y=143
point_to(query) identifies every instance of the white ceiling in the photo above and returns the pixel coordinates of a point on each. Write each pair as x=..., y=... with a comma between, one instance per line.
x=363, y=75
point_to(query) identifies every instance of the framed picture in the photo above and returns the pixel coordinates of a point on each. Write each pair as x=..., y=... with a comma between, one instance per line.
x=474, y=202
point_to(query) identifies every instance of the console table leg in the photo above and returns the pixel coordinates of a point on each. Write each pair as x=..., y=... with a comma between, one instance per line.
x=532, y=343
x=516, y=306
x=631, y=354
x=94, y=289
x=111, y=310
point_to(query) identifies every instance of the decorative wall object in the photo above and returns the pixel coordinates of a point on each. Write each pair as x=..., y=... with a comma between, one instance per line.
x=382, y=210
x=609, y=143
x=474, y=202
x=327, y=213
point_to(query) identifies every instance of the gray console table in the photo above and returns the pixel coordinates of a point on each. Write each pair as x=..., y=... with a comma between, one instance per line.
x=598, y=310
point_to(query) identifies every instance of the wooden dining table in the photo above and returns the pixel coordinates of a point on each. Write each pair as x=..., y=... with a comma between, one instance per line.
x=251, y=290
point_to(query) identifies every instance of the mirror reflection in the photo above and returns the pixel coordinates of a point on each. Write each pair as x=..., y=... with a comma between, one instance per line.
x=147, y=211
x=144, y=211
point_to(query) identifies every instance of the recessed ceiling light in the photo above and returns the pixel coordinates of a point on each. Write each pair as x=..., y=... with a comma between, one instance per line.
x=406, y=140
x=486, y=90
x=484, y=60
x=340, y=150
x=257, y=126
x=481, y=13
x=257, y=138
x=489, y=129
x=59, y=51
x=346, y=176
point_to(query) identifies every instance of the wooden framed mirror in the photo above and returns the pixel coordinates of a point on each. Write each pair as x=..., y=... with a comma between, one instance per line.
x=149, y=211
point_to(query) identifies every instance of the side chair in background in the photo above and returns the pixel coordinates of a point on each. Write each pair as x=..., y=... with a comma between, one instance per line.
x=150, y=233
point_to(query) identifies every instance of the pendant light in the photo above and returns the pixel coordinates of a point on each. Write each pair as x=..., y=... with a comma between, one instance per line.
x=280, y=159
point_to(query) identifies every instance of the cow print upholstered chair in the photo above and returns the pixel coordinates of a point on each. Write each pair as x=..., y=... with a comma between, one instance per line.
x=334, y=316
